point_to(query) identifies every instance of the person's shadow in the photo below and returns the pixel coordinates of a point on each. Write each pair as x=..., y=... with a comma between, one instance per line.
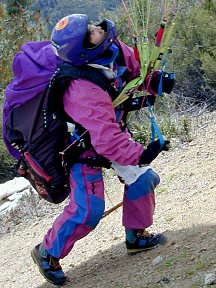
x=182, y=262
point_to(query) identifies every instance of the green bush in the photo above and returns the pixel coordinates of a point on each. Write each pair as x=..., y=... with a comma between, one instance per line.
x=195, y=53
x=16, y=29
x=170, y=123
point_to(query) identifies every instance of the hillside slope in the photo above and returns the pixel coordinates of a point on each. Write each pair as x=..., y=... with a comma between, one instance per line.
x=185, y=212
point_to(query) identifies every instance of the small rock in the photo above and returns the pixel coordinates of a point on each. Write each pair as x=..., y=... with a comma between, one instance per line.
x=116, y=238
x=4, y=206
x=210, y=279
x=192, y=258
x=165, y=280
x=202, y=249
x=34, y=224
x=157, y=260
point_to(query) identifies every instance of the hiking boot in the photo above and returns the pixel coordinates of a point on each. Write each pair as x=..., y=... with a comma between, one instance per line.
x=141, y=240
x=48, y=265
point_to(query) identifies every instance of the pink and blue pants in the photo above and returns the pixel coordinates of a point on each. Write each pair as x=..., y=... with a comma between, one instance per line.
x=86, y=208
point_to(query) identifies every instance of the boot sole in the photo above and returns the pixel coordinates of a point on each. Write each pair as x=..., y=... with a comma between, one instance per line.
x=132, y=252
x=37, y=262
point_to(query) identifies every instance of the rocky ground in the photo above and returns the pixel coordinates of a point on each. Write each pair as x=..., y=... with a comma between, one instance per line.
x=185, y=212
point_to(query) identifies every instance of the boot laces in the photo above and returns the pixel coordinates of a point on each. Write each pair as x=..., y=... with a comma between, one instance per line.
x=54, y=262
x=143, y=234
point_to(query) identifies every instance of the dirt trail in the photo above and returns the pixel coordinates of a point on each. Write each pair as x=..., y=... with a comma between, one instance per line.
x=186, y=212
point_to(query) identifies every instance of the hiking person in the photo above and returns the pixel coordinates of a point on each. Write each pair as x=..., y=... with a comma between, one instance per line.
x=79, y=43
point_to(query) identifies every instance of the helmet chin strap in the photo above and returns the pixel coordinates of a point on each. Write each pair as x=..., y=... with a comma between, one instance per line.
x=108, y=57
x=106, y=62
x=108, y=72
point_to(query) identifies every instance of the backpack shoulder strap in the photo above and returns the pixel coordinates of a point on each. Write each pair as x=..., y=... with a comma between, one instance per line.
x=87, y=72
x=62, y=77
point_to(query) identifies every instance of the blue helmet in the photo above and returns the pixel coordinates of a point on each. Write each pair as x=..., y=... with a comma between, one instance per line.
x=69, y=39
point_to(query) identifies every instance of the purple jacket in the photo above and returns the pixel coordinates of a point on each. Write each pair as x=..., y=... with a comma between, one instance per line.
x=91, y=107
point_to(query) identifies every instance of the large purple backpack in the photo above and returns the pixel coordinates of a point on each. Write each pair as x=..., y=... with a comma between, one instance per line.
x=34, y=122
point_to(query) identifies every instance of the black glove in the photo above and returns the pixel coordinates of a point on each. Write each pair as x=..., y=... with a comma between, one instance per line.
x=152, y=151
x=151, y=100
x=138, y=103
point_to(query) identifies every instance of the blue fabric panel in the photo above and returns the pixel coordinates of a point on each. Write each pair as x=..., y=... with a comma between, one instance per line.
x=97, y=207
x=79, y=217
x=144, y=185
x=93, y=178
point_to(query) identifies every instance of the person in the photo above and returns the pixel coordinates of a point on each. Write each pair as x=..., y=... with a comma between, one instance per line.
x=76, y=41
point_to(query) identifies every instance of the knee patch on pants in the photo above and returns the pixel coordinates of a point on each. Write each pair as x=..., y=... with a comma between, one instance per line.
x=143, y=186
